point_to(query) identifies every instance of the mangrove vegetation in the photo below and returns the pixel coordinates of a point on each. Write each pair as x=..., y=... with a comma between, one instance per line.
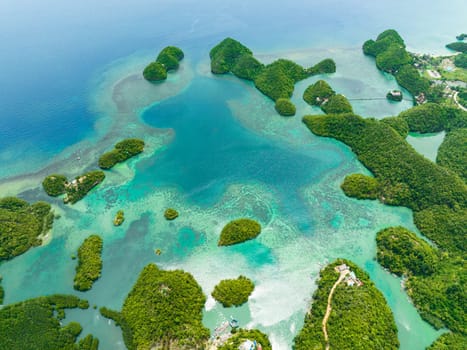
x=89, y=263
x=22, y=225
x=122, y=151
x=238, y=231
x=233, y=292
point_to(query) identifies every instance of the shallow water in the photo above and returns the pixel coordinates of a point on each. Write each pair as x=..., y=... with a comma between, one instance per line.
x=216, y=150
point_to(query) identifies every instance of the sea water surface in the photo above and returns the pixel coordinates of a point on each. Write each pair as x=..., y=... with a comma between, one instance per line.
x=216, y=150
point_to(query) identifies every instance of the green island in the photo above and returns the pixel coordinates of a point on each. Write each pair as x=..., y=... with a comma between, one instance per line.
x=163, y=310
x=122, y=151
x=361, y=186
x=233, y=292
x=55, y=185
x=35, y=324
x=119, y=218
x=238, y=231
x=318, y=93
x=168, y=59
x=452, y=153
x=170, y=214
x=275, y=80
x=22, y=225
x=247, y=338
x=89, y=263
x=461, y=36
x=395, y=95
x=403, y=253
x=436, y=195
x=285, y=107
x=359, y=319
x=457, y=46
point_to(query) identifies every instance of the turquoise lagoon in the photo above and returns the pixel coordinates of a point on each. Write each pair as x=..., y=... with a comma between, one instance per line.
x=216, y=151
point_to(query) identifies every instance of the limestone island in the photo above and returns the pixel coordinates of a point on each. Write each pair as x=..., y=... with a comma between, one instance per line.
x=122, y=151
x=238, y=231
x=285, y=107
x=394, y=95
x=275, y=80
x=168, y=59
x=348, y=313
x=56, y=184
x=170, y=214
x=244, y=339
x=89, y=263
x=22, y=225
x=233, y=292
x=119, y=218
x=163, y=310
x=36, y=324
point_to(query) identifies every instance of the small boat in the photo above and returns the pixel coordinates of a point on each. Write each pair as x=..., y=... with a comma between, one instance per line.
x=233, y=322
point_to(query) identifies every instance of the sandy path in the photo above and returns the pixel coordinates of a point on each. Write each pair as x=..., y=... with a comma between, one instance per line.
x=329, y=308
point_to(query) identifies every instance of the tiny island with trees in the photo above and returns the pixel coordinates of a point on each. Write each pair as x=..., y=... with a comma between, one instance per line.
x=122, y=151
x=275, y=80
x=22, y=225
x=89, y=263
x=119, y=218
x=171, y=214
x=238, y=231
x=55, y=185
x=167, y=60
x=360, y=317
x=233, y=292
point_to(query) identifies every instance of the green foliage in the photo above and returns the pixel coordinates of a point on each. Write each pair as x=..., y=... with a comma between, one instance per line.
x=337, y=104
x=449, y=341
x=361, y=186
x=360, y=317
x=394, y=57
x=325, y=66
x=461, y=60
x=54, y=185
x=285, y=107
x=441, y=297
x=383, y=42
x=2, y=292
x=293, y=70
x=89, y=263
x=155, y=71
x=317, y=93
x=399, y=124
x=274, y=82
x=444, y=226
x=406, y=177
x=238, y=231
x=88, y=343
x=119, y=218
x=247, y=67
x=425, y=118
x=242, y=335
x=164, y=309
x=452, y=153
x=403, y=253
x=225, y=55
x=394, y=95
x=80, y=187
x=21, y=225
x=32, y=325
x=457, y=46
x=122, y=151
x=170, y=214
x=233, y=292
x=409, y=78
x=437, y=196
x=169, y=57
